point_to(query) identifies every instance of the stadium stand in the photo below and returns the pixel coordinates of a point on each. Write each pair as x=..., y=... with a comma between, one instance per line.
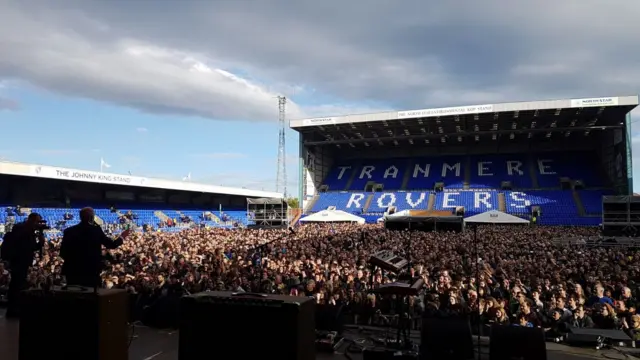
x=475, y=172
x=55, y=217
x=474, y=182
x=558, y=156
x=119, y=201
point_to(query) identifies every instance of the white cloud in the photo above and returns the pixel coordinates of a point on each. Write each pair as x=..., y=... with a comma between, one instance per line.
x=142, y=130
x=208, y=63
x=229, y=60
x=212, y=64
x=125, y=71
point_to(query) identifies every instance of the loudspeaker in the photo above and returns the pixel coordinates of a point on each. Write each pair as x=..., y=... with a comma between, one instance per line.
x=446, y=338
x=72, y=324
x=584, y=340
x=329, y=318
x=508, y=342
x=595, y=337
x=246, y=325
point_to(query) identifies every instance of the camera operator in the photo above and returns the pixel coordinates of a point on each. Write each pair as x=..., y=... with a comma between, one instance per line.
x=81, y=250
x=18, y=247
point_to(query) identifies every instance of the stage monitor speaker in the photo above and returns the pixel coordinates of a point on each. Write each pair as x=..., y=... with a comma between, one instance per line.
x=74, y=324
x=509, y=342
x=593, y=337
x=247, y=326
x=329, y=318
x=446, y=338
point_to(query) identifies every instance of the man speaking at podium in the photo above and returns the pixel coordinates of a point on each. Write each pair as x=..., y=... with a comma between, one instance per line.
x=81, y=250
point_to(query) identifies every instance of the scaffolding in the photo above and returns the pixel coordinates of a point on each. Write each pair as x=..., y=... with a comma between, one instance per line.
x=621, y=215
x=268, y=212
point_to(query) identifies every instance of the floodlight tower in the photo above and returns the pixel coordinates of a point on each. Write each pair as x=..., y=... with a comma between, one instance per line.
x=281, y=177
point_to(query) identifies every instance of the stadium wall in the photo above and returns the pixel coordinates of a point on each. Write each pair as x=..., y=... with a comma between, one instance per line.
x=614, y=151
x=315, y=166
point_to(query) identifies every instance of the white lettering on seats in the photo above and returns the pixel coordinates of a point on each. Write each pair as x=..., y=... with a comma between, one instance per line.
x=544, y=167
x=514, y=167
x=366, y=170
x=389, y=202
x=343, y=169
x=446, y=167
x=419, y=170
x=521, y=200
x=391, y=171
x=417, y=202
x=447, y=200
x=355, y=200
x=483, y=170
x=481, y=198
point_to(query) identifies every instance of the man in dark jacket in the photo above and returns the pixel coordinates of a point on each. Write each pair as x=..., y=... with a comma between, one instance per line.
x=81, y=250
x=17, y=249
x=581, y=319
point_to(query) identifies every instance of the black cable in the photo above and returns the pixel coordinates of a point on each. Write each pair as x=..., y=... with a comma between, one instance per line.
x=133, y=332
x=352, y=343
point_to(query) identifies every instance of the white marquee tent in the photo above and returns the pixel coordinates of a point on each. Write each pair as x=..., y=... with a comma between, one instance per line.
x=495, y=217
x=333, y=216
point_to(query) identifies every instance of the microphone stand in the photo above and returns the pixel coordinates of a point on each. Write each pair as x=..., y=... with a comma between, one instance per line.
x=404, y=322
x=477, y=255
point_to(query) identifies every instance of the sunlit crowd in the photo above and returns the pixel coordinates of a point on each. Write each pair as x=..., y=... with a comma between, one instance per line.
x=525, y=279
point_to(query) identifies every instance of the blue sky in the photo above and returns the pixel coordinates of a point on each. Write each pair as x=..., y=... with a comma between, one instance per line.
x=167, y=88
x=77, y=133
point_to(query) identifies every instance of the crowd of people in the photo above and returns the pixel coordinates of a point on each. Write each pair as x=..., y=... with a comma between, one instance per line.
x=525, y=278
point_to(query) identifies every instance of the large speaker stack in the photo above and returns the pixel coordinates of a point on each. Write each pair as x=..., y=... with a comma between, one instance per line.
x=517, y=342
x=621, y=215
x=74, y=324
x=446, y=338
x=451, y=338
x=246, y=326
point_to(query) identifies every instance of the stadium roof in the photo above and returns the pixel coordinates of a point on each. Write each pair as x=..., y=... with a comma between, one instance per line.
x=521, y=119
x=59, y=173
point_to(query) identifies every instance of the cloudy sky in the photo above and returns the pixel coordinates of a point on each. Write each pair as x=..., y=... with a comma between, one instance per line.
x=165, y=88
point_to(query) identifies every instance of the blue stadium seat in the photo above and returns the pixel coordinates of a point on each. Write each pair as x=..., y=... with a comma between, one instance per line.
x=144, y=216
x=424, y=173
x=473, y=182
x=339, y=200
x=239, y=216
x=339, y=176
x=576, y=166
x=488, y=172
x=388, y=173
x=482, y=171
x=557, y=207
x=592, y=200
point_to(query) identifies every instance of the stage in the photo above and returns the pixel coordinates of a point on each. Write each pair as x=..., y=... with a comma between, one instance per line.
x=148, y=344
